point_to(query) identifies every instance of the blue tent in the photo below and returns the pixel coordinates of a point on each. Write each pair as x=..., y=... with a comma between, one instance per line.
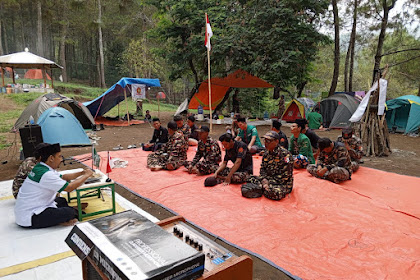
x=115, y=94
x=403, y=114
x=60, y=126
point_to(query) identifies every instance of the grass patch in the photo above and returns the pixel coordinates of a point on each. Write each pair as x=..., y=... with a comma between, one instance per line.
x=3, y=143
x=8, y=119
x=147, y=105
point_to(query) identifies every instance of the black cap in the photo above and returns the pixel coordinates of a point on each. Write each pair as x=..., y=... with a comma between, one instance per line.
x=203, y=128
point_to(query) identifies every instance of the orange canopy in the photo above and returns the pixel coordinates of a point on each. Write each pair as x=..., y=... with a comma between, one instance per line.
x=35, y=74
x=219, y=87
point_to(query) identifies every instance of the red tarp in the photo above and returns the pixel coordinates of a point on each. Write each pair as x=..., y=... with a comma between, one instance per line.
x=219, y=87
x=365, y=228
x=35, y=74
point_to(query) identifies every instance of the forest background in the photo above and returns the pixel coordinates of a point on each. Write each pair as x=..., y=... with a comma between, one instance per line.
x=302, y=47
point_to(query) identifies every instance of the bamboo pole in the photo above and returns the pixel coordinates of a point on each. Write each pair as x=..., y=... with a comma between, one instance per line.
x=52, y=79
x=208, y=67
x=126, y=106
x=45, y=79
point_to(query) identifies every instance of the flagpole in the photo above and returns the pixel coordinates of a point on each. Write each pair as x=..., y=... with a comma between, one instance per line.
x=208, y=66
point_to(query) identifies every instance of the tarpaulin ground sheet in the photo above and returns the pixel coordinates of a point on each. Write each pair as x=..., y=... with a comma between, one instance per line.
x=365, y=228
x=120, y=122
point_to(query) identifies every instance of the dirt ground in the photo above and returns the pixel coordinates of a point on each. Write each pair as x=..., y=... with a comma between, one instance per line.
x=405, y=159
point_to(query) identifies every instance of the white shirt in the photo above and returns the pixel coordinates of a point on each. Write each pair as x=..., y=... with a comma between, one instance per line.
x=38, y=193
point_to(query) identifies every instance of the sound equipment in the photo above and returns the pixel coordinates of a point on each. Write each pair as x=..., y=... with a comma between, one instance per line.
x=128, y=246
x=30, y=135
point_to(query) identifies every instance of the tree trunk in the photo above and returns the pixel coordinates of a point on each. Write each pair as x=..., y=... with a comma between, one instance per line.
x=336, y=49
x=353, y=45
x=101, y=47
x=39, y=42
x=1, y=41
x=381, y=39
x=63, y=51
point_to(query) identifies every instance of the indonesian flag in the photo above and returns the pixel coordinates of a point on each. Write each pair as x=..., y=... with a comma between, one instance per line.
x=209, y=33
x=108, y=164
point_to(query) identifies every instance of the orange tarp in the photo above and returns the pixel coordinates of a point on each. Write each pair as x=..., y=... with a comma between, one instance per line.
x=364, y=228
x=35, y=74
x=120, y=122
x=219, y=87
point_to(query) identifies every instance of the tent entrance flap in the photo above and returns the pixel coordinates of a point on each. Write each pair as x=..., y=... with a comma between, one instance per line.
x=220, y=86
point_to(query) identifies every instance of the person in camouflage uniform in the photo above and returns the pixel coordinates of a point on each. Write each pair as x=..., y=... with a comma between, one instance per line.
x=173, y=154
x=334, y=163
x=276, y=173
x=353, y=145
x=237, y=152
x=182, y=127
x=25, y=167
x=209, y=150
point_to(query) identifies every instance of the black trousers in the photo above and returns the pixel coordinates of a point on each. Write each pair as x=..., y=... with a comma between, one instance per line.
x=54, y=216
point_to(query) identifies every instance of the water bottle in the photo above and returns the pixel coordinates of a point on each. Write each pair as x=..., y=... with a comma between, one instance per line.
x=31, y=120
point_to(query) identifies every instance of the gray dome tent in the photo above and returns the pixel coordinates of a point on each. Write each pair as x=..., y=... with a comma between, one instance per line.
x=42, y=103
x=337, y=109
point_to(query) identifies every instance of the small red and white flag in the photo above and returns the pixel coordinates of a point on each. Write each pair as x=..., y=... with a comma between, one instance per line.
x=209, y=33
x=109, y=164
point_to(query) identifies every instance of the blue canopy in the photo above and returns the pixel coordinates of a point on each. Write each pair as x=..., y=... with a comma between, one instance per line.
x=60, y=126
x=115, y=94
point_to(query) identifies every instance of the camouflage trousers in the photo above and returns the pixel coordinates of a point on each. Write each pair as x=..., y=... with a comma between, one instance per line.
x=336, y=175
x=354, y=166
x=204, y=167
x=274, y=191
x=237, y=177
x=158, y=159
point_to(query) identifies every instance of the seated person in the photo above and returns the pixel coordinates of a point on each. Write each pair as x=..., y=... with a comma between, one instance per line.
x=249, y=135
x=333, y=163
x=182, y=127
x=315, y=119
x=37, y=204
x=209, y=150
x=26, y=167
x=313, y=137
x=300, y=146
x=353, y=145
x=276, y=173
x=237, y=152
x=276, y=126
x=193, y=139
x=173, y=154
x=160, y=137
x=148, y=117
x=233, y=129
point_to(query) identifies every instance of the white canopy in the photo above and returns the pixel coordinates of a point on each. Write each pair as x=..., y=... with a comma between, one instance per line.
x=26, y=60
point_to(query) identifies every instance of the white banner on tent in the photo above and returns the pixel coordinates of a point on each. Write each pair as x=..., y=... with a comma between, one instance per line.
x=357, y=115
x=138, y=91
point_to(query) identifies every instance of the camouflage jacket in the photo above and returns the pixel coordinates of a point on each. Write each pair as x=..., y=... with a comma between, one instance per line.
x=186, y=130
x=176, y=147
x=339, y=156
x=210, y=151
x=24, y=168
x=355, y=147
x=277, y=166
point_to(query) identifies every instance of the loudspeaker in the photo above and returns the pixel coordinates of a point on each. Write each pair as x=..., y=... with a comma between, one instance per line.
x=30, y=135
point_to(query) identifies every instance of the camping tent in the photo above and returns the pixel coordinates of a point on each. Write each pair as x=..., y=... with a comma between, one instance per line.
x=403, y=114
x=35, y=74
x=182, y=108
x=219, y=87
x=115, y=94
x=60, y=126
x=297, y=109
x=337, y=109
x=42, y=103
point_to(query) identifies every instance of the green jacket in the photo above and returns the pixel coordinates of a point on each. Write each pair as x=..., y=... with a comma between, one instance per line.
x=250, y=131
x=303, y=147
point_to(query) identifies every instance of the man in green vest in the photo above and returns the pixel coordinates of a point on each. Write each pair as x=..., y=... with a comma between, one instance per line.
x=249, y=135
x=300, y=146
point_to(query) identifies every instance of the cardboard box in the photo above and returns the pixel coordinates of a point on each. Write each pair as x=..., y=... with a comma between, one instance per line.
x=129, y=246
